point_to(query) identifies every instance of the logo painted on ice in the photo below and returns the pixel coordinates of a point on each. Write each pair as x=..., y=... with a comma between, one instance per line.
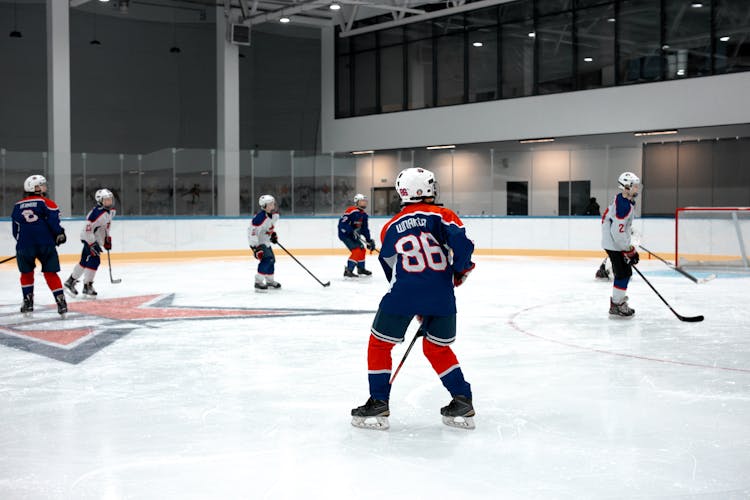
x=93, y=325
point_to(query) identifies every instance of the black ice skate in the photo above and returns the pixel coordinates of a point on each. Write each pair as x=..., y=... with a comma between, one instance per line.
x=70, y=286
x=261, y=287
x=349, y=274
x=62, y=305
x=602, y=274
x=273, y=285
x=459, y=413
x=372, y=415
x=363, y=272
x=88, y=290
x=621, y=310
x=28, y=304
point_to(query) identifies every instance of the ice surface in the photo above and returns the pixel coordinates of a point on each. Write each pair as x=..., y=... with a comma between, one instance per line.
x=570, y=404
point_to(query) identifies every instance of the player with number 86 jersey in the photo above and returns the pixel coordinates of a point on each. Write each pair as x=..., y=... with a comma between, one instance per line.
x=422, y=247
x=425, y=254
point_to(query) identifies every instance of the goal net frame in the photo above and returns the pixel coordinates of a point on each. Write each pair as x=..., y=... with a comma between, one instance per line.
x=739, y=261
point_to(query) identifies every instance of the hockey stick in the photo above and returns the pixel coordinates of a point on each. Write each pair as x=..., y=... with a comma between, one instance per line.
x=109, y=263
x=364, y=242
x=679, y=269
x=6, y=260
x=327, y=283
x=416, y=336
x=689, y=319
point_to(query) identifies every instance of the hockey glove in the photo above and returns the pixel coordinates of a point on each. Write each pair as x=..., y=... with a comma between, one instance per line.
x=371, y=245
x=460, y=277
x=61, y=238
x=631, y=256
x=257, y=252
x=274, y=237
x=108, y=243
x=95, y=249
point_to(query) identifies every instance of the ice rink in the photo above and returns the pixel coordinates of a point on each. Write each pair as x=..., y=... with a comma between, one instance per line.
x=181, y=382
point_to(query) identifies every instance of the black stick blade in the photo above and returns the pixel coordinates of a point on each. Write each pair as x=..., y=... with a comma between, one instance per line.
x=327, y=283
x=690, y=319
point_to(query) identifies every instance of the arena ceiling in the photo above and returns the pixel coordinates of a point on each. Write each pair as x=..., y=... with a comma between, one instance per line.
x=342, y=13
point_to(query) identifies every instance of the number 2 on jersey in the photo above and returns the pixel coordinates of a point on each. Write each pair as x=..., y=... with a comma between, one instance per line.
x=421, y=252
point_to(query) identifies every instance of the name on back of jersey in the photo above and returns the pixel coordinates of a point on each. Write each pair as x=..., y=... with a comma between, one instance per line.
x=407, y=224
x=28, y=204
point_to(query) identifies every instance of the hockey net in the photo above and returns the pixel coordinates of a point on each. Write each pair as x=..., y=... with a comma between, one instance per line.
x=713, y=237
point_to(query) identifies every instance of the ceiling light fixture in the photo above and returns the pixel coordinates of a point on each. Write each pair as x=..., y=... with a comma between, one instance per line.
x=533, y=141
x=532, y=35
x=15, y=33
x=446, y=146
x=335, y=6
x=368, y=152
x=724, y=39
x=655, y=132
x=588, y=59
x=284, y=20
x=610, y=19
x=477, y=44
x=696, y=5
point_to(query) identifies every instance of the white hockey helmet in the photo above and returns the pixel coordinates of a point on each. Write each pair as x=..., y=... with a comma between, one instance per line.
x=359, y=197
x=103, y=194
x=33, y=182
x=415, y=184
x=628, y=180
x=265, y=199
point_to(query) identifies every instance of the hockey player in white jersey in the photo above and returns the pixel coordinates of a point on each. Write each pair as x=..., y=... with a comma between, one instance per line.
x=94, y=236
x=616, y=241
x=260, y=235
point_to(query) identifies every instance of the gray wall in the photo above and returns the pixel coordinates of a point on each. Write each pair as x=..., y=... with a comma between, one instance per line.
x=131, y=95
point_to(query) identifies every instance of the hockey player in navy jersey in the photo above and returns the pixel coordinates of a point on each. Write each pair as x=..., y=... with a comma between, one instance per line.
x=616, y=241
x=425, y=253
x=94, y=236
x=353, y=226
x=260, y=235
x=37, y=231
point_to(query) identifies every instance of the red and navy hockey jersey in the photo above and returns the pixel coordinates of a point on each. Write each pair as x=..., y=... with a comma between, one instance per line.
x=354, y=219
x=36, y=221
x=423, y=245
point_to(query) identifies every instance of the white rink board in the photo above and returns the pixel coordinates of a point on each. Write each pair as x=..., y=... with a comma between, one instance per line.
x=230, y=233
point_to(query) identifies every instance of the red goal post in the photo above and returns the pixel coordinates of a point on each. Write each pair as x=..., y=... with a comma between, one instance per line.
x=712, y=237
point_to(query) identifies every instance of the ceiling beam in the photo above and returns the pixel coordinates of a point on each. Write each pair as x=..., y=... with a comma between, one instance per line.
x=421, y=17
x=277, y=14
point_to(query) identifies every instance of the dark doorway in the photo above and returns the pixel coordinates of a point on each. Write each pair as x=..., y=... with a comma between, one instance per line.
x=518, y=198
x=573, y=197
x=385, y=201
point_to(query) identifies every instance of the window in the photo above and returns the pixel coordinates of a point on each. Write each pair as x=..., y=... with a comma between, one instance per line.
x=639, y=41
x=554, y=37
x=595, y=39
x=419, y=56
x=450, y=69
x=687, y=42
x=483, y=64
x=392, y=79
x=517, y=55
x=732, y=42
x=364, y=83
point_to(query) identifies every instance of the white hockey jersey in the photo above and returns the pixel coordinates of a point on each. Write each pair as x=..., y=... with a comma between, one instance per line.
x=617, y=222
x=97, y=225
x=261, y=227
